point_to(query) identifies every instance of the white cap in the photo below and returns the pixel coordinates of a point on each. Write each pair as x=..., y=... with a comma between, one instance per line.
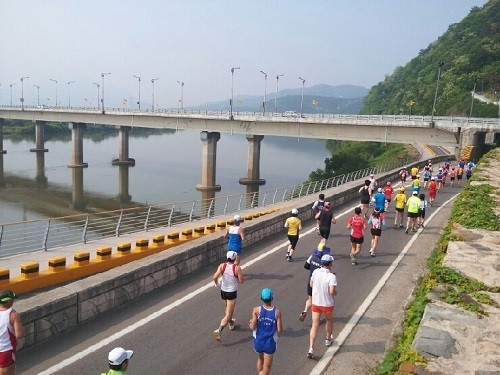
x=326, y=259
x=231, y=255
x=237, y=218
x=379, y=190
x=295, y=211
x=118, y=355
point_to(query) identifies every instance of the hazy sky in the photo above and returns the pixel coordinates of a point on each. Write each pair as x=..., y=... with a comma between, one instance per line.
x=198, y=41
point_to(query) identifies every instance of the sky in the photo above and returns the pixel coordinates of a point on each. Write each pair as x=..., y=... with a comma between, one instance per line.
x=197, y=42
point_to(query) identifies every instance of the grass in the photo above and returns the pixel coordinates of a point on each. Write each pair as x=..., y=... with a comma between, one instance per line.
x=472, y=209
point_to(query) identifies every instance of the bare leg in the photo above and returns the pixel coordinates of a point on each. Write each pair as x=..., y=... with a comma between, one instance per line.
x=268, y=361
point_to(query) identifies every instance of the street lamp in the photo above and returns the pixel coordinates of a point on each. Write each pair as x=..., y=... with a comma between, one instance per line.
x=22, y=92
x=302, y=98
x=12, y=84
x=265, y=93
x=182, y=94
x=440, y=65
x=139, y=101
x=55, y=81
x=37, y=94
x=153, y=93
x=102, y=96
x=97, y=85
x=232, y=97
x=69, y=93
x=276, y=96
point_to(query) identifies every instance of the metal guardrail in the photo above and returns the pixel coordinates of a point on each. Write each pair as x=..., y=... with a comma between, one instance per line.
x=269, y=115
x=44, y=234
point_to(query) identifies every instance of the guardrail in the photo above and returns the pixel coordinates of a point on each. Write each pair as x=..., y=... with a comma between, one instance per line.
x=270, y=115
x=44, y=234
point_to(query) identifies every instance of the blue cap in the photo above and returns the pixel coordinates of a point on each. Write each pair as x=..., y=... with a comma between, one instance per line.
x=266, y=295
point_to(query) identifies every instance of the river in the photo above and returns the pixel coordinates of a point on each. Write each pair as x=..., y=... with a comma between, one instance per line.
x=167, y=169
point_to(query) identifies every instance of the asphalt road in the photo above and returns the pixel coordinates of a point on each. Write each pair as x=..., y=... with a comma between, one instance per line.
x=170, y=330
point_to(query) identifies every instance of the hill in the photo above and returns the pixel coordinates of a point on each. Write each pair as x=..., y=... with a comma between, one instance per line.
x=321, y=98
x=469, y=52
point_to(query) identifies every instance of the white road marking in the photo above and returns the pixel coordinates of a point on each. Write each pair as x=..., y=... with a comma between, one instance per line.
x=342, y=336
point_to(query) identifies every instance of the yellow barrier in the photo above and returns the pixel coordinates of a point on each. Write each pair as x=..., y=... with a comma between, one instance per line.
x=82, y=266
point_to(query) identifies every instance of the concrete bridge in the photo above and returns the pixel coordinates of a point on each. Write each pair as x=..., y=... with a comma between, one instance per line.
x=452, y=132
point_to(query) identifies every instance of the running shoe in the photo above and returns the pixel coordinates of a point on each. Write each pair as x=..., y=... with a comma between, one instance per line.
x=407, y=230
x=317, y=230
x=401, y=225
x=329, y=342
x=352, y=258
x=310, y=353
x=290, y=259
x=372, y=253
x=216, y=335
x=231, y=324
x=302, y=316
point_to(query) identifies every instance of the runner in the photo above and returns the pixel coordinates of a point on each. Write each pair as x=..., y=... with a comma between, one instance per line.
x=231, y=275
x=403, y=173
x=379, y=201
x=364, y=192
x=460, y=173
x=236, y=236
x=326, y=219
x=453, y=175
x=413, y=205
x=400, y=200
x=312, y=263
x=468, y=173
x=432, y=190
x=414, y=172
x=294, y=225
x=11, y=331
x=439, y=178
x=377, y=220
x=421, y=210
x=265, y=323
x=427, y=176
x=118, y=360
x=388, y=191
x=415, y=184
x=373, y=185
x=324, y=288
x=317, y=207
x=357, y=225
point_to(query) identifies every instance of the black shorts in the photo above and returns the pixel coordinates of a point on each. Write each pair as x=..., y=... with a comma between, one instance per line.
x=452, y=178
x=413, y=177
x=293, y=240
x=309, y=290
x=459, y=177
x=228, y=295
x=421, y=214
x=376, y=232
x=400, y=209
x=412, y=214
x=365, y=200
x=426, y=178
x=324, y=232
x=357, y=240
x=388, y=200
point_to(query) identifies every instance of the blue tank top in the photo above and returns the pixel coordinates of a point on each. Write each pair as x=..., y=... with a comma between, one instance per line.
x=266, y=335
x=234, y=239
x=379, y=200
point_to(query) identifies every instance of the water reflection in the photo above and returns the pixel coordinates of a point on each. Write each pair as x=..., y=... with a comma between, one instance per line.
x=41, y=180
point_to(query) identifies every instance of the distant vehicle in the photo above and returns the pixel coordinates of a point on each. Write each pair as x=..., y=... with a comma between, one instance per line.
x=42, y=107
x=290, y=114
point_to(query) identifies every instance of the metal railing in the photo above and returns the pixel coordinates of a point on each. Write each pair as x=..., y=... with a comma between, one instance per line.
x=44, y=234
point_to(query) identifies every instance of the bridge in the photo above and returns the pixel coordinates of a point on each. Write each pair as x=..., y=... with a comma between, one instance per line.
x=452, y=132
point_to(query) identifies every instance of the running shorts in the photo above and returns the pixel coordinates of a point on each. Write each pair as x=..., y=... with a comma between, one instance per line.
x=400, y=209
x=293, y=240
x=229, y=296
x=322, y=309
x=324, y=232
x=412, y=214
x=7, y=358
x=376, y=232
x=357, y=240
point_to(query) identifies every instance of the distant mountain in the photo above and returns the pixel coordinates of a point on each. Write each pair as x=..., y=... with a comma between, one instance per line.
x=317, y=99
x=467, y=56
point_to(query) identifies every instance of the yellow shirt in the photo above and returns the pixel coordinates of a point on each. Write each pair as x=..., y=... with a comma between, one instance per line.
x=293, y=224
x=414, y=171
x=400, y=200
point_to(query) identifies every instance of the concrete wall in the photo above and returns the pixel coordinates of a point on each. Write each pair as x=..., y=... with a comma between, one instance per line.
x=67, y=307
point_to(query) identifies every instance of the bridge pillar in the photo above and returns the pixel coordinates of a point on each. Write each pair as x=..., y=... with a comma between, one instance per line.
x=475, y=139
x=2, y=151
x=39, y=137
x=253, y=162
x=123, y=184
x=77, y=193
x=40, y=178
x=77, y=130
x=208, y=161
x=123, y=149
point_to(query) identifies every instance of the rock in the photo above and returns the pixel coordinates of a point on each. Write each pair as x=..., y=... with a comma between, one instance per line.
x=433, y=343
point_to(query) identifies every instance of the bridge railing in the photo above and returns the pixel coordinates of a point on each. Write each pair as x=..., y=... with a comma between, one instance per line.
x=44, y=234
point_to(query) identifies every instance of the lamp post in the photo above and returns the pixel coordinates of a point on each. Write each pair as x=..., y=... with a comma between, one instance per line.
x=102, y=87
x=37, y=94
x=55, y=81
x=139, y=101
x=12, y=84
x=440, y=65
x=182, y=94
x=69, y=93
x=472, y=100
x=153, y=93
x=232, y=97
x=22, y=92
x=276, y=96
x=302, y=98
x=97, y=85
x=265, y=93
